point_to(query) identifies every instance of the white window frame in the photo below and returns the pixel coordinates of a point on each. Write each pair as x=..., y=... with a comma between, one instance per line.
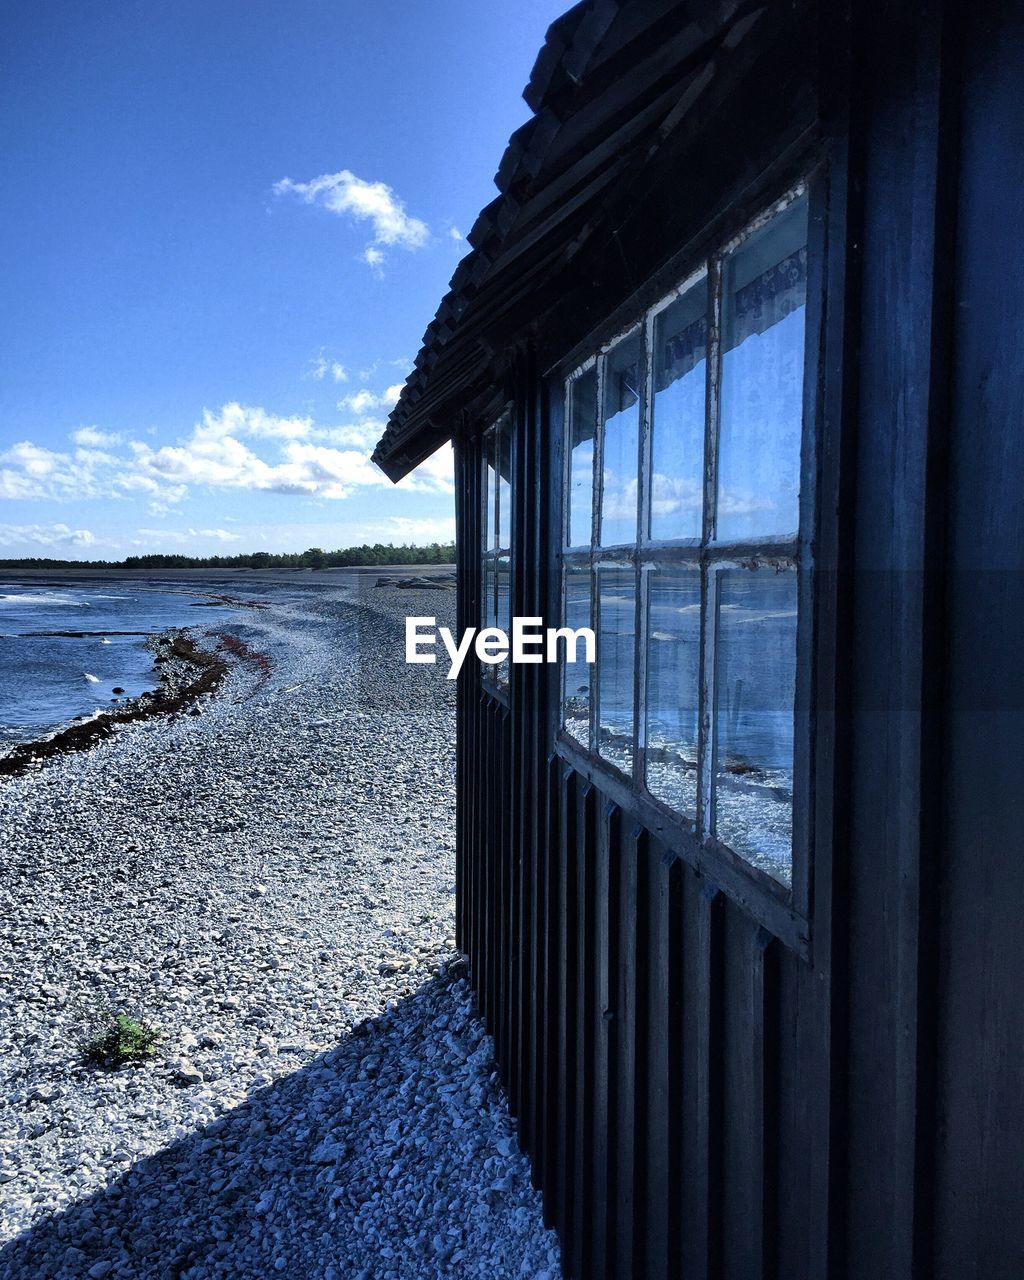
x=708, y=556
x=495, y=676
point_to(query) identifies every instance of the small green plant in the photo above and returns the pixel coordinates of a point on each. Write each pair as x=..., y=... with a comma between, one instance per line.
x=121, y=1040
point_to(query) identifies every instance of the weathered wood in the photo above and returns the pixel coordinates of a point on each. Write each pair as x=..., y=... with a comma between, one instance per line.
x=584, y=1012
x=568, y=812
x=979, y=1150
x=715, y=1078
x=600, y=1173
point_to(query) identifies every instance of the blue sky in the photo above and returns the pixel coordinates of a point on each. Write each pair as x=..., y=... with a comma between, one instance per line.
x=223, y=230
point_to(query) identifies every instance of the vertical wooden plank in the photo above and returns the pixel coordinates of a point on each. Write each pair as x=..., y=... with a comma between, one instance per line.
x=979, y=1227
x=548, y=1042
x=469, y=745
x=765, y=1004
x=655, y=1212
x=799, y=1203
x=496, y=867
x=486, y=848
x=523, y=799
x=480, y=817
x=896, y=657
x=517, y=737
x=542, y=776
x=585, y=1009
x=676, y=1131
x=605, y=852
x=458, y=460
x=500, y=918
x=748, y=1112
x=630, y=881
x=513, y=884
x=702, y=1191
x=480, y=848
x=463, y=496
x=567, y=993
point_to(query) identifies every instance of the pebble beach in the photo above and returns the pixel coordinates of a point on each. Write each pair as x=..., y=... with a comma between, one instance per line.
x=265, y=877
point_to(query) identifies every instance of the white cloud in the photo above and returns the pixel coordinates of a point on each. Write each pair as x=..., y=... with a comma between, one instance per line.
x=45, y=535
x=344, y=194
x=184, y=535
x=414, y=529
x=29, y=471
x=401, y=362
x=234, y=447
x=366, y=401
x=35, y=461
x=436, y=472
x=93, y=438
x=363, y=434
x=235, y=419
x=321, y=367
x=731, y=503
x=671, y=495
x=455, y=233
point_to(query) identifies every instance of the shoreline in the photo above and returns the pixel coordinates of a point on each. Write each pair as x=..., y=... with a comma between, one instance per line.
x=170, y=696
x=270, y=885
x=168, y=699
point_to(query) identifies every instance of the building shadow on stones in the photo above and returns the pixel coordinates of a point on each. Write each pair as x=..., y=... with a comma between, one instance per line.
x=392, y=1154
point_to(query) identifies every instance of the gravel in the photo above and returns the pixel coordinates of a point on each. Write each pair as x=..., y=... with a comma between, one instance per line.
x=270, y=884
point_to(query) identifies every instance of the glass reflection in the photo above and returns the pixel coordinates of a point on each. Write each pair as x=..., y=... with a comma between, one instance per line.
x=764, y=292
x=504, y=614
x=503, y=442
x=582, y=427
x=488, y=612
x=491, y=481
x=616, y=654
x=621, y=417
x=755, y=686
x=673, y=675
x=576, y=675
x=677, y=431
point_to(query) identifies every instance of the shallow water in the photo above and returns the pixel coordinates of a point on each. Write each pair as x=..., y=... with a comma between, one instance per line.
x=47, y=680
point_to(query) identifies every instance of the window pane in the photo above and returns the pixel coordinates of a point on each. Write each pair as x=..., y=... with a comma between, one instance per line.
x=764, y=292
x=504, y=612
x=576, y=675
x=503, y=440
x=673, y=675
x=616, y=654
x=488, y=616
x=489, y=522
x=582, y=425
x=677, y=424
x=621, y=417
x=755, y=683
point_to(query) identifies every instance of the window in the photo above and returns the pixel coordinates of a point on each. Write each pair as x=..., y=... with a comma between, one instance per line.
x=496, y=553
x=681, y=546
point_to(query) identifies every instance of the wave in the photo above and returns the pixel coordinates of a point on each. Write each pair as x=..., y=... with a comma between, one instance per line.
x=42, y=599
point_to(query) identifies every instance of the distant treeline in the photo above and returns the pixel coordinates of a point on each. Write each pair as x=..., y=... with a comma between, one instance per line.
x=312, y=558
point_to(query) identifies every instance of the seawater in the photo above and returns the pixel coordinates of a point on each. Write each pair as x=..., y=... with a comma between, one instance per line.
x=47, y=680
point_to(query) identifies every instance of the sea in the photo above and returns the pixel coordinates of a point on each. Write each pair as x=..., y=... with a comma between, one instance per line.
x=65, y=646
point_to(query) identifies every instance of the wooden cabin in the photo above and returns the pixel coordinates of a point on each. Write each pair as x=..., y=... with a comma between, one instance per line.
x=734, y=374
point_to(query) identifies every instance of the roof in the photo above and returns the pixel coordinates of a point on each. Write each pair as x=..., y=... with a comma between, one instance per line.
x=613, y=79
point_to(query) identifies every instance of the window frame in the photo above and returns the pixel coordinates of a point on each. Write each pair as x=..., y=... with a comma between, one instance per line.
x=783, y=908
x=491, y=674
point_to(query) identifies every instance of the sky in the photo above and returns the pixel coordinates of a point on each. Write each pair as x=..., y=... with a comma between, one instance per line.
x=223, y=230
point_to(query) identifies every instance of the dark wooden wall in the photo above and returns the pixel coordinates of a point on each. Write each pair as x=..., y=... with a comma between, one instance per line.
x=698, y=1099
x=979, y=1033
